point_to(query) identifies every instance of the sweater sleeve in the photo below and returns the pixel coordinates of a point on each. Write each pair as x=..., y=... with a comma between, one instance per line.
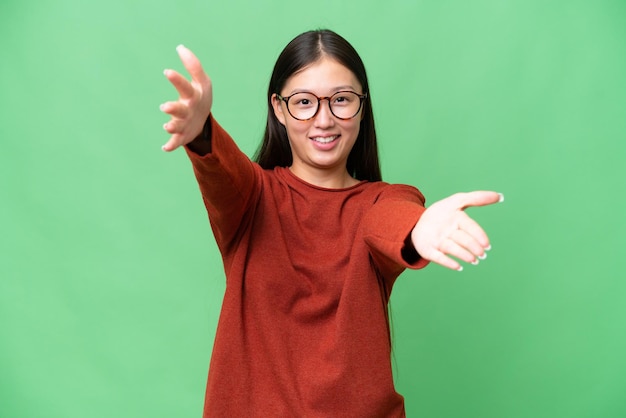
x=229, y=183
x=387, y=227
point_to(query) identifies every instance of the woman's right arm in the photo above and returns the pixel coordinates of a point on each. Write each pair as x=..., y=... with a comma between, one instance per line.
x=228, y=180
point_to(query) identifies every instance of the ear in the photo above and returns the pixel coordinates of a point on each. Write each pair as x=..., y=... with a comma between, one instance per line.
x=277, y=104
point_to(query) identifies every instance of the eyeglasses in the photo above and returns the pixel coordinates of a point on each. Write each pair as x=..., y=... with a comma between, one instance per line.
x=343, y=105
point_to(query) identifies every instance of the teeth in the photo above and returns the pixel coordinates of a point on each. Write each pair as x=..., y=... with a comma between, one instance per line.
x=325, y=140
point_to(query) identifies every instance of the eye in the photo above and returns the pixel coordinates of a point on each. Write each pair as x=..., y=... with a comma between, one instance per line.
x=303, y=100
x=344, y=98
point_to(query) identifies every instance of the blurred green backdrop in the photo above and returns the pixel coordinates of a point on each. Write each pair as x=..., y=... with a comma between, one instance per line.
x=111, y=284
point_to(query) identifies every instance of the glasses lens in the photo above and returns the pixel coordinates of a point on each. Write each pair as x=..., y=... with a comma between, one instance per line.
x=302, y=105
x=345, y=104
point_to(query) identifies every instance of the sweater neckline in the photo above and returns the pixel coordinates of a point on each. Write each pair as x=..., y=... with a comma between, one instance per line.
x=295, y=180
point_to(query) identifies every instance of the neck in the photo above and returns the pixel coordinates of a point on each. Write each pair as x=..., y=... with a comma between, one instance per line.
x=330, y=179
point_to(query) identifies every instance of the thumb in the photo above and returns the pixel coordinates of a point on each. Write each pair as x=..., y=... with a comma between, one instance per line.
x=192, y=64
x=478, y=198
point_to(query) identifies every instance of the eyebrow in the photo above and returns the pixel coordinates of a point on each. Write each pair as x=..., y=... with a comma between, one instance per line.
x=334, y=90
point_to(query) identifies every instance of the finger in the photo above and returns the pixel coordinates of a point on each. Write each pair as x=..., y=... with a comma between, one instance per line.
x=469, y=243
x=443, y=260
x=472, y=228
x=192, y=64
x=170, y=127
x=182, y=85
x=175, y=109
x=176, y=126
x=451, y=247
x=173, y=143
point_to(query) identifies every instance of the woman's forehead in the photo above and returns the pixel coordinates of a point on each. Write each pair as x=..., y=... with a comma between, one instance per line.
x=323, y=76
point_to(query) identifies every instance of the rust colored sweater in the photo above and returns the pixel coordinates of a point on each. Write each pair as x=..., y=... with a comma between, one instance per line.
x=303, y=330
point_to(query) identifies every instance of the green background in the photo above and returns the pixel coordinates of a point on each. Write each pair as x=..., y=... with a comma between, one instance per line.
x=111, y=284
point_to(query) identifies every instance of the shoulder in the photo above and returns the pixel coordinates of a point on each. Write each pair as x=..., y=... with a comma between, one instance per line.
x=381, y=190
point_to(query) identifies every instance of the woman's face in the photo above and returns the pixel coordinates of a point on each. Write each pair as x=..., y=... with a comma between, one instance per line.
x=323, y=143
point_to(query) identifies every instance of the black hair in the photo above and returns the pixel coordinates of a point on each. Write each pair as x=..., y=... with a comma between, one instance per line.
x=303, y=50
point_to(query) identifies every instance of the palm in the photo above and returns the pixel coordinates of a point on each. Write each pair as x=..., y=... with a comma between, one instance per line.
x=445, y=230
x=190, y=111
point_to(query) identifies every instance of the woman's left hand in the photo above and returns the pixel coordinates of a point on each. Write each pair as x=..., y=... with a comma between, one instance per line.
x=445, y=230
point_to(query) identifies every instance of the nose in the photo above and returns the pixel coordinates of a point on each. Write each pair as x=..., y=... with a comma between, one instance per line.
x=324, y=117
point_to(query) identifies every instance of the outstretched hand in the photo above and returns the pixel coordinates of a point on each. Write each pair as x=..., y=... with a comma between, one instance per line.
x=190, y=111
x=445, y=230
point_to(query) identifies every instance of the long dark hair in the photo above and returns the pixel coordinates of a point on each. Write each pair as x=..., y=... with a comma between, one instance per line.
x=302, y=51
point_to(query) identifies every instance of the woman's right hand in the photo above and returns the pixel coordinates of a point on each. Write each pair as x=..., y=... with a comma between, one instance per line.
x=191, y=110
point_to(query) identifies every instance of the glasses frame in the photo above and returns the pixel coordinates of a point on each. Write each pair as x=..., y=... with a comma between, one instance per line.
x=361, y=97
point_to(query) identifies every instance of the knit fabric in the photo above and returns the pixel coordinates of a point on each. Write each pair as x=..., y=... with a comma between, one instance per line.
x=303, y=330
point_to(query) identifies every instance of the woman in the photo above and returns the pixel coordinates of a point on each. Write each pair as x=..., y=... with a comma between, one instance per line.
x=312, y=240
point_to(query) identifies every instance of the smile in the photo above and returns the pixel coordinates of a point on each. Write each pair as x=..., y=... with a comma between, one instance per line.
x=325, y=140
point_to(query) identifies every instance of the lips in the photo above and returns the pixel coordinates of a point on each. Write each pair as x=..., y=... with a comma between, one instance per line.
x=325, y=139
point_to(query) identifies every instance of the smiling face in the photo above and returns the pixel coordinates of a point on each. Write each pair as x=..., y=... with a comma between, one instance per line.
x=320, y=146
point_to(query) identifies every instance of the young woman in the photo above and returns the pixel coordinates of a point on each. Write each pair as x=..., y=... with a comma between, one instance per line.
x=312, y=240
